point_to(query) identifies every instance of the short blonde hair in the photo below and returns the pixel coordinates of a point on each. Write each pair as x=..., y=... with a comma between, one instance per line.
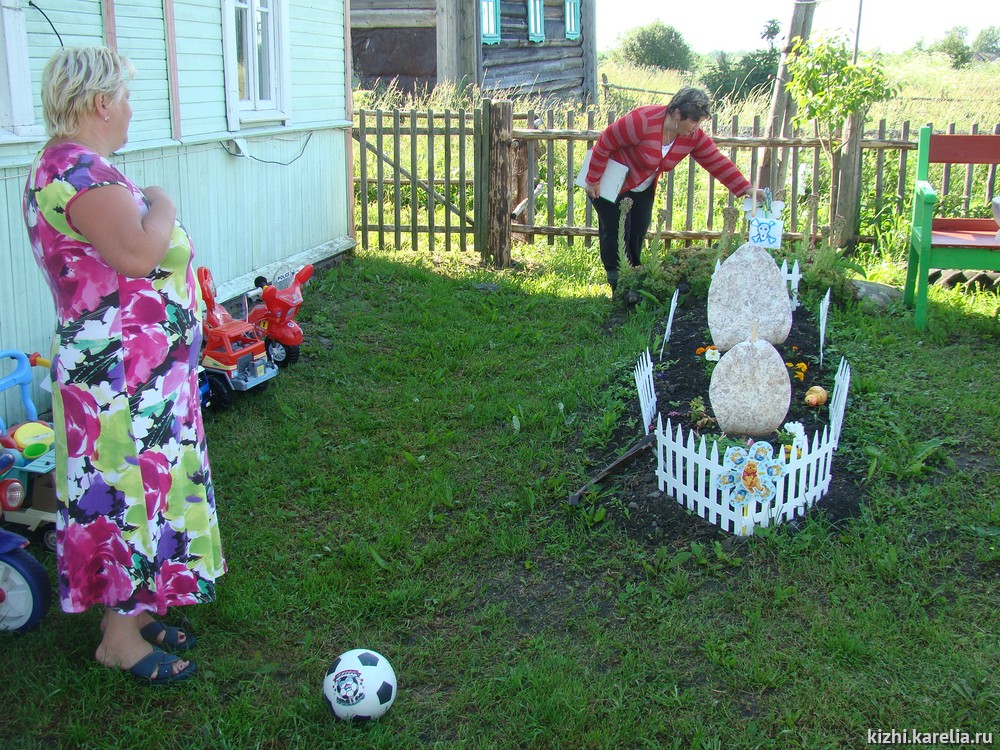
x=72, y=78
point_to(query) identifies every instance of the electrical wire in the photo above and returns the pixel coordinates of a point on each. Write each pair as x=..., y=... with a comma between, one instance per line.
x=31, y=4
x=270, y=161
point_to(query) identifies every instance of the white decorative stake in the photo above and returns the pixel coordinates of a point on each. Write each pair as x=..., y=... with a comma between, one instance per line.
x=824, y=312
x=670, y=320
x=766, y=225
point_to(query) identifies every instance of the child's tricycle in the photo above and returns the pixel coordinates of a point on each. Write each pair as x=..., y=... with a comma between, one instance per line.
x=25, y=458
x=25, y=593
x=27, y=491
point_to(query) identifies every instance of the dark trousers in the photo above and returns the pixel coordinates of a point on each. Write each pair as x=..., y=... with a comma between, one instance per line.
x=636, y=225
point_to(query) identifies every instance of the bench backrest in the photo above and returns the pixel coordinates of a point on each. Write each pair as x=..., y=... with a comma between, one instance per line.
x=955, y=149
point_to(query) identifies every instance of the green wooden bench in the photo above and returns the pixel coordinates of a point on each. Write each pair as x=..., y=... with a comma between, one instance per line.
x=943, y=242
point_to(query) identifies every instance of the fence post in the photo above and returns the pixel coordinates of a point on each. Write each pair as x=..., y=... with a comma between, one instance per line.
x=498, y=184
x=848, y=194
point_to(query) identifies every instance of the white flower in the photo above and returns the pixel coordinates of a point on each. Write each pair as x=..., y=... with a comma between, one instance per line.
x=712, y=355
x=797, y=431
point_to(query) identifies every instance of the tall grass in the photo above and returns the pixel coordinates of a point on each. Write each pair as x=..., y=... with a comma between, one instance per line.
x=930, y=91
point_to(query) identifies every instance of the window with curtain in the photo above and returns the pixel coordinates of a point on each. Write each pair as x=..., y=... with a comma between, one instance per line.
x=256, y=57
x=536, y=20
x=490, y=21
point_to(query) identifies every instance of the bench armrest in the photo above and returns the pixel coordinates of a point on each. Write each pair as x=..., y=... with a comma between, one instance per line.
x=924, y=193
x=924, y=200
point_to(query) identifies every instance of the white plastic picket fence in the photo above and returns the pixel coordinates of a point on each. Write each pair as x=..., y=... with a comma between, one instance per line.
x=647, y=391
x=690, y=472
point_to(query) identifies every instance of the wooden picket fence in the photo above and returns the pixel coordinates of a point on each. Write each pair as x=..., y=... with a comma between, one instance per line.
x=463, y=179
x=690, y=471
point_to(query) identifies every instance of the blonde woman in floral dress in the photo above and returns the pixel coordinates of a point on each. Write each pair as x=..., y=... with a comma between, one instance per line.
x=137, y=530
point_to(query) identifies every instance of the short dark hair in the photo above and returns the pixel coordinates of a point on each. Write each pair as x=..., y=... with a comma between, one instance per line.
x=692, y=102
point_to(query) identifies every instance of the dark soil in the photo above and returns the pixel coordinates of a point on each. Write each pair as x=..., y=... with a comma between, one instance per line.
x=638, y=506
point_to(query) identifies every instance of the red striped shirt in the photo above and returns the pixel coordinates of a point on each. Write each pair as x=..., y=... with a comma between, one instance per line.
x=636, y=140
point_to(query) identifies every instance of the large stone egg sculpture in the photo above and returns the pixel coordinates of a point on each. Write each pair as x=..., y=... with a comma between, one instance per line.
x=748, y=287
x=750, y=389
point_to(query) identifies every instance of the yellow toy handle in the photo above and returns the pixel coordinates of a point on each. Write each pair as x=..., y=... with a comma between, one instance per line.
x=38, y=360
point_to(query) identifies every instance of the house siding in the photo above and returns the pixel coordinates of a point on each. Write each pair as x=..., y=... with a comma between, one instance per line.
x=392, y=40
x=285, y=201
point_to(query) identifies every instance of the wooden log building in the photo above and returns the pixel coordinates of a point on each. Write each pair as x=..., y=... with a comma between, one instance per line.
x=532, y=47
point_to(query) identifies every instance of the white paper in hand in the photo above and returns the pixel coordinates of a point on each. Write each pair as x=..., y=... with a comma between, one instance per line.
x=611, y=181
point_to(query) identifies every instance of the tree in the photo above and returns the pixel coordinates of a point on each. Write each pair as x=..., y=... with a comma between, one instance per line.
x=771, y=30
x=655, y=45
x=736, y=80
x=955, y=47
x=749, y=74
x=830, y=88
x=988, y=41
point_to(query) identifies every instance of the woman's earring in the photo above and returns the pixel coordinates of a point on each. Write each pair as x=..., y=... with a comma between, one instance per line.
x=107, y=118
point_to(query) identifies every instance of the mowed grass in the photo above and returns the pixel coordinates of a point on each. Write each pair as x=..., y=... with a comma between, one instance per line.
x=403, y=487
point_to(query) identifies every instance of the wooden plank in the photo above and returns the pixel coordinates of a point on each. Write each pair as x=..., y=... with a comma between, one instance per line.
x=550, y=169
x=380, y=170
x=463, y=177
x=397, y=188
x=363, y=172
x=414, y=203
x=393, y=19
x=480, y=171
x=964, y=149
x=447, y=179
x=430, y=181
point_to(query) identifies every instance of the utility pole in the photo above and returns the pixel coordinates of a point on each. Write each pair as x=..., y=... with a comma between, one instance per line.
x=771, y=171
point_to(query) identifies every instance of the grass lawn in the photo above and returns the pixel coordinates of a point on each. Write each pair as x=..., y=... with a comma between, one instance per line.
x=403, y=488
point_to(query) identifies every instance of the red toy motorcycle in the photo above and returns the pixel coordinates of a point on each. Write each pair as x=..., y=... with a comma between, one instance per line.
x=274, y=316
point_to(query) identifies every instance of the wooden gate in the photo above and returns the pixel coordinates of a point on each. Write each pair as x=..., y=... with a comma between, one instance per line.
x=416, y=176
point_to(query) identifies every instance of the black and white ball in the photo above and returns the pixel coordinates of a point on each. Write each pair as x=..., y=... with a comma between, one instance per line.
x=360, y=685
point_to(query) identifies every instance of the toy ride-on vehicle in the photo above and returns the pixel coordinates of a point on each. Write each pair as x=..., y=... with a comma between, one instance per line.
x=25, y=592
x=234, y=357
x=274, y=315
x=27, y=490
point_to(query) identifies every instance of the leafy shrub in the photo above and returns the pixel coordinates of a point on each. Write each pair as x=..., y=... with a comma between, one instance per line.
x=988, y=41
x=955, y=47
x=740, y=78
x=655, y=45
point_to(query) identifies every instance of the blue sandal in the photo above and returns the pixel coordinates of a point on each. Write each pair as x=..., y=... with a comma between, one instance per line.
x=161, y=662
x=171, y=639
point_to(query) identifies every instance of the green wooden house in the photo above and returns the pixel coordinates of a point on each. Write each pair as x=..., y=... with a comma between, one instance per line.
x=529, y=47
x=256, y=156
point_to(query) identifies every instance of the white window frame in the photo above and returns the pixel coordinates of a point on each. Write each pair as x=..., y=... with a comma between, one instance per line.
x=489, y=19
x=255, y=110
x=536, y=20
x=17, y=113
x=572, y=19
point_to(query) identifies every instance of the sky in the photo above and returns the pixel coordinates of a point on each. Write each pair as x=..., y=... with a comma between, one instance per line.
x=736, y=25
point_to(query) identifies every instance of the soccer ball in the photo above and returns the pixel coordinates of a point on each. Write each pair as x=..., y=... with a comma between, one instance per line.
x=360, y=685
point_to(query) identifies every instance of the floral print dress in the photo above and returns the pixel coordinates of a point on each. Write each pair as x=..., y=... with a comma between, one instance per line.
x=136, y=523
